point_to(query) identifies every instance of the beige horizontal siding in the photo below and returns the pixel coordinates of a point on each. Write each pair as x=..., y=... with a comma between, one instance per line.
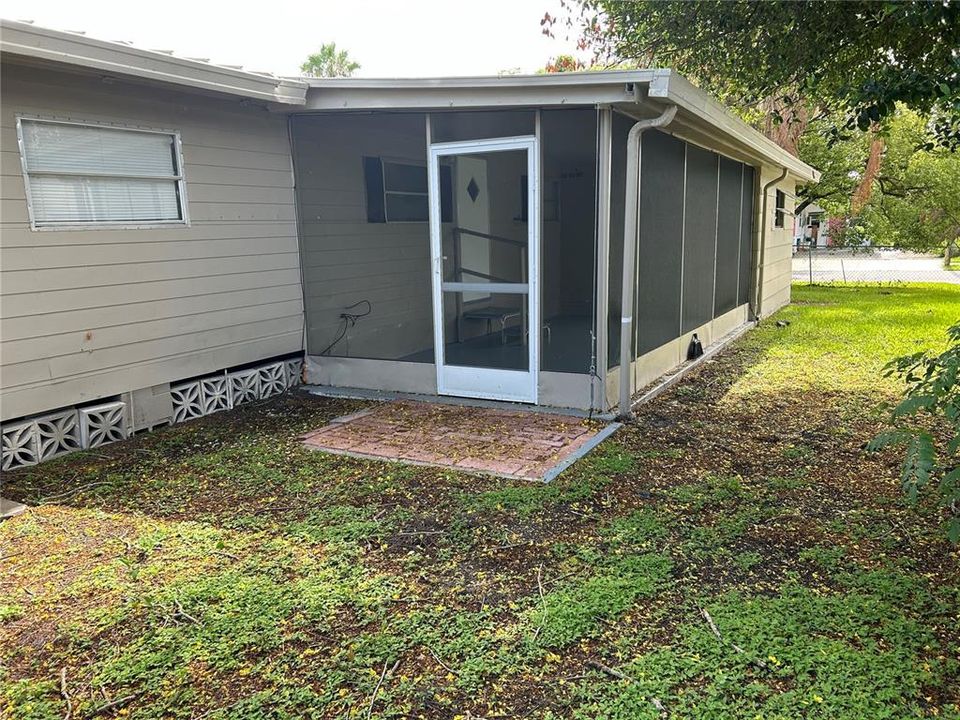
x=777, y=272
x=36, y=303
x=92, y=313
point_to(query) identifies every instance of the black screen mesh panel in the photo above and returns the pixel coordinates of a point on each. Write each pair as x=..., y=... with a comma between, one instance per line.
x=746, y=235
x=661, y=240
x=699, y=237
x=618, y=181
x=728, y=237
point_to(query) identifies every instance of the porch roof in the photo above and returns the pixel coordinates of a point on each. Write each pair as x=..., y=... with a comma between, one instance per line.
x=641, y=93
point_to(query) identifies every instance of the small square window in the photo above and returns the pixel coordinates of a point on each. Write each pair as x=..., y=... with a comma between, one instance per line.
x=397, y=191
x=781, y=206
x=80, y=174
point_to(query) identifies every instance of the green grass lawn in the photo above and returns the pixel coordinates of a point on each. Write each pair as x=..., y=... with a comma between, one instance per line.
x=733, y=554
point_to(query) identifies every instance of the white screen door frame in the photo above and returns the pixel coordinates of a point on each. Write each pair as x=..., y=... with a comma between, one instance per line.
x=483, y=382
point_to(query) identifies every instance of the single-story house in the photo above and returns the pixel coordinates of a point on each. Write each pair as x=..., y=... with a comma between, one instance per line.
x=811, y=228
x=179, y=237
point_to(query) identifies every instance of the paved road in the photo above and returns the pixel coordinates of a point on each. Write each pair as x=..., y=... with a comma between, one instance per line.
x=879, y=266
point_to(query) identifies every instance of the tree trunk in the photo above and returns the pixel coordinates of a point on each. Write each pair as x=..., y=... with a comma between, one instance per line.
x=861, y=196
x=794, y=121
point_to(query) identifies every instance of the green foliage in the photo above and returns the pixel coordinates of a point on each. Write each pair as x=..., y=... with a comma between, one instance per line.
x=932, y=393
x=859, y=57
x=29, y=700
x=841, y=163
x=840, y=338
x=806, y=655
x=329, y=62
x=579, y=609
x=917, y=203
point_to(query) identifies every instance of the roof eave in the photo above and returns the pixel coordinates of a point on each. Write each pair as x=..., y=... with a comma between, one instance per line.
x=679, y=91
x=44, y=44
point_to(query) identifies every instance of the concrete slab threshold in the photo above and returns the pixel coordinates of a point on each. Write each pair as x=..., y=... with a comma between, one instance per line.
x=10, y=508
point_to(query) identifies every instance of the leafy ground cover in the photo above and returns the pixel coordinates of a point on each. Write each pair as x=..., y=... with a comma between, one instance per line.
x=735, y=553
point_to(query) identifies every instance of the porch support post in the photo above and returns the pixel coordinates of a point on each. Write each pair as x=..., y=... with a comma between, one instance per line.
x=602, y=301
x=630, y=234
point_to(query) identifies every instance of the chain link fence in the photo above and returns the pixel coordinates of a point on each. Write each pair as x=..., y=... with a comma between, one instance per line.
x=870, y=264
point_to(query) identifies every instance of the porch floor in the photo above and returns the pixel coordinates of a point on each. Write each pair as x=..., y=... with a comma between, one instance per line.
x=492, y=441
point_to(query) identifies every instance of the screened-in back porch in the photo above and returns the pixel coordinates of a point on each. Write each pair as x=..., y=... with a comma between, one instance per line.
x=478, y=252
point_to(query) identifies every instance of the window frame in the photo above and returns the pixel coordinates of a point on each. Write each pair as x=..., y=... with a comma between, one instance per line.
x=383, y=174
x=780, y=210
x=179, y=178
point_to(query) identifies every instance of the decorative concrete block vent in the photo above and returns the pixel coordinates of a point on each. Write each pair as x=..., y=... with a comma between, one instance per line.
x=215, y=392
x=244, y=386
x=273, y=379
x=57, y=434
x=187, y=401
x=102, y=424
x=19, y=445
x=294, y=371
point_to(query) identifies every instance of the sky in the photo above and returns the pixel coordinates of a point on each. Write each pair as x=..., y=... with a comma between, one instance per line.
x=402, y=38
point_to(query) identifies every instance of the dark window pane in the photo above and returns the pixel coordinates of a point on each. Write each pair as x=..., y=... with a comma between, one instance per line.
x=400, y=177
x=406, y=208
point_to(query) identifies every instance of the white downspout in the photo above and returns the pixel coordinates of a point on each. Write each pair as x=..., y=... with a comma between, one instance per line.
x=630, y=225
x=763, y=244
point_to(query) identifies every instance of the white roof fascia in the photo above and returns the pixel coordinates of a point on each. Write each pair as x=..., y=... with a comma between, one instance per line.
x=114, y=58
x=582, y=88
x=681, y=92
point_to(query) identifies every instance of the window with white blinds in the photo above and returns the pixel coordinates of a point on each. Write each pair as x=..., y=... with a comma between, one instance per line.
x=79, y=174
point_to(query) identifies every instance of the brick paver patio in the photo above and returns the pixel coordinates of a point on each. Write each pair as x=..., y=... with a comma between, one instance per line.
x=506, y=443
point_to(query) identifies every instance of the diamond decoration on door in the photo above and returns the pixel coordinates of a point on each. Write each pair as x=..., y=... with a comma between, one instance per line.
x=19, y=445
x=215, y=394
x=102, y=424
x=473, y=190
x=273, y=379
x=187, y=401
x=57, y=434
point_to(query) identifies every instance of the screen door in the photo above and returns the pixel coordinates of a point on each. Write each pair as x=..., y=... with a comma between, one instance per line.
x=484, y=233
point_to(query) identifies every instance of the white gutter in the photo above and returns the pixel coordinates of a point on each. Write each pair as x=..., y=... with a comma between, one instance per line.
x=630, y=227
x=757, y=307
